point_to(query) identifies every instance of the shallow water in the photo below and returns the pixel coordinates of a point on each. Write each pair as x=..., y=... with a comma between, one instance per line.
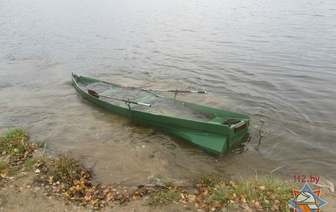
x=272, y=60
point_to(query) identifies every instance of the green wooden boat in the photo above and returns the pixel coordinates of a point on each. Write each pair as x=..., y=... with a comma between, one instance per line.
x=211, y=129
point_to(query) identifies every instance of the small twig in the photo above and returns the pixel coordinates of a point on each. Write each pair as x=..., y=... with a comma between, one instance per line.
x=265, y=133
x=44, y=148
x=152, y=185
x=93, y=166
x=261, y=134
x=292, y=132
x=276, y=169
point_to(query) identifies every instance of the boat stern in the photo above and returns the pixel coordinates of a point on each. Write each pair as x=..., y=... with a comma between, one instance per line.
x=239, y=132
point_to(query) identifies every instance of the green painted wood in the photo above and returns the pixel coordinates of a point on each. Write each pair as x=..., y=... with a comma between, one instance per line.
x=216, y=131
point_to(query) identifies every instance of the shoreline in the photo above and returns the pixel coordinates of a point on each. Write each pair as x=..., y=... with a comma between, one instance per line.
x=30, y=182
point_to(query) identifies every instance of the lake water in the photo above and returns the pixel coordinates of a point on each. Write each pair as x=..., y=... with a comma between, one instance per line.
x=274, y=60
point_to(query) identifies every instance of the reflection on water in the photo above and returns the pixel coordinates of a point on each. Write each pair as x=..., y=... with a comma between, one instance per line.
x=272, y=60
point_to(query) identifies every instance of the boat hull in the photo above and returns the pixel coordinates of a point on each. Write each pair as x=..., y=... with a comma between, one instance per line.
x=215, y=134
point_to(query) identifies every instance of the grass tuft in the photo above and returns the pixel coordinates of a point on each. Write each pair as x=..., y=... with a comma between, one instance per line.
x=163, y=197
x=260, y=193
x=208, y=180
x=16, y=149
x=65, y=169
x=29, y=163
x=3, y=164
x=15, y=142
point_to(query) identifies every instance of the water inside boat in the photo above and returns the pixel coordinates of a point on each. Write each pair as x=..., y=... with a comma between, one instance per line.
x=159, y=105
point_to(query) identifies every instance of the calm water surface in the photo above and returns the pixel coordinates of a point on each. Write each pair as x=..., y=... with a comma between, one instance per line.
x=274, y=60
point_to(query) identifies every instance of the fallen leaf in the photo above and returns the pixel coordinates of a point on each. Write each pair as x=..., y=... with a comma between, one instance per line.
x=244, y=206
x=276, y=207
x=191, y=198
x=199, y=199
x=273, y=196
x=94, y=202
x=217, y=204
